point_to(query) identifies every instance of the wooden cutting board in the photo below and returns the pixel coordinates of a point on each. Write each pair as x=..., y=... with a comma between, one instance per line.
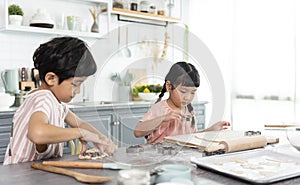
x=227, y=140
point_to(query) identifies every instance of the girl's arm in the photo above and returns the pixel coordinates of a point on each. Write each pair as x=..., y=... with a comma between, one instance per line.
x=144, y=128
x=221, y=125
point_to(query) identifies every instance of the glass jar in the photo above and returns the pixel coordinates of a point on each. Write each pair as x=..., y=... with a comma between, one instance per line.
x=134, y=176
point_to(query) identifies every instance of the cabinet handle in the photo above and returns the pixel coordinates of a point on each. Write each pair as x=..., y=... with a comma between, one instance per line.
x=116, y=123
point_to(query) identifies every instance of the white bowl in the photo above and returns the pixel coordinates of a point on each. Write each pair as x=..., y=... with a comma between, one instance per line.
x=6, y=100
x=293, y=136
x=149, y=96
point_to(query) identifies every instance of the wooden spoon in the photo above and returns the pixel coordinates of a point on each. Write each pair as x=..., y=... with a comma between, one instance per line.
x=78, y=176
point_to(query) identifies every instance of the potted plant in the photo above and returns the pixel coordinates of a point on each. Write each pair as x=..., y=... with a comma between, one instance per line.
x=15, y=14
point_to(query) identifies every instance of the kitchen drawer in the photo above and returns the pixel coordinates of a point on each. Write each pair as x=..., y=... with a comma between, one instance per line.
x=4, y=139
x=5, y=121
x=5, y=128
x=2, y=151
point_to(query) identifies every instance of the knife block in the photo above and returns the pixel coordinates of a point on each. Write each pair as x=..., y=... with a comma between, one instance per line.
x=22, y=85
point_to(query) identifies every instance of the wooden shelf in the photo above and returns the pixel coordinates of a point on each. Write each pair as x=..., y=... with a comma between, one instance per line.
x=144, y=16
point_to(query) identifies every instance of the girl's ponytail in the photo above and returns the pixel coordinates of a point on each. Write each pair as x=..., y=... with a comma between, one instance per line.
x=163, y=90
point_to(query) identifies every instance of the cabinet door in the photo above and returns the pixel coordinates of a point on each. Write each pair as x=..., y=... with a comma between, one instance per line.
x=127, y=126
x=101, y=121
x=199, y=110
x=5, y=128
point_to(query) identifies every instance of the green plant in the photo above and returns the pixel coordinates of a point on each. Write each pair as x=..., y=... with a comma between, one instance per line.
x=149, y=88
x=15, y=10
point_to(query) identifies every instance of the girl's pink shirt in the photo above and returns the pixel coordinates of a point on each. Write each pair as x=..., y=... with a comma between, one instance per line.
x=22, y=149
x=167, y=128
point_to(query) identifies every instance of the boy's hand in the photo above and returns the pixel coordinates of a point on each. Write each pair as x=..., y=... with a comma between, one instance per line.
x=104, y=144
x=108, y=148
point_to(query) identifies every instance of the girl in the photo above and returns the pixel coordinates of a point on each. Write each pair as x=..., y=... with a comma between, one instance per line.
x=38, y=130
x=175, y=115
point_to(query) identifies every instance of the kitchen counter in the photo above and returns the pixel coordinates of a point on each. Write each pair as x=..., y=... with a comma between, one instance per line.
x=23, y=174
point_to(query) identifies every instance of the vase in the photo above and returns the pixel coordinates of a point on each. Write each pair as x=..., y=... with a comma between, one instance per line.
x=95, y=27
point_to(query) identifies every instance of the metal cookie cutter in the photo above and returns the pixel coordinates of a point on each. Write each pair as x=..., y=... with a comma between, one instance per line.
x=168, y=150
x=252, y=133
x=134, y=149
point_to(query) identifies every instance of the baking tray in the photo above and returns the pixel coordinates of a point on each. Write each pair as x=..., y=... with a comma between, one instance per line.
x=258, y=166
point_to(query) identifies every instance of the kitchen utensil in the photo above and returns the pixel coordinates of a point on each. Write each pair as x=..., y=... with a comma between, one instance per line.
x=126, y=51
x=134, y=149
x=226, y=140
x=282, y=126
x=10, y=78
x=78, y=176
x=258, y=166
x=84, y=164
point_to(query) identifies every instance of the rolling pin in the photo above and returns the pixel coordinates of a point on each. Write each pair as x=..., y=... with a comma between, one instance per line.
x=234, y=145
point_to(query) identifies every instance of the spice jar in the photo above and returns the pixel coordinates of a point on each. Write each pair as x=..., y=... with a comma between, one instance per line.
x=134, y=5
x=161, y=6
x=152, y=9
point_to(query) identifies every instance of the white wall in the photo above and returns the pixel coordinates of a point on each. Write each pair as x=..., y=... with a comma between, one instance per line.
x=254, y=42
x=212, y=22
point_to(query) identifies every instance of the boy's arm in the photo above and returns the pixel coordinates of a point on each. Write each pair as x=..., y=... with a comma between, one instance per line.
x=75, y=122
x=41, y=132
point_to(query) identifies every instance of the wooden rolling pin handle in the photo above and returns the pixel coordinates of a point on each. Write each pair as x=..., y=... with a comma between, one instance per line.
x=74, y=164
x=215, y=147
x=245, y=143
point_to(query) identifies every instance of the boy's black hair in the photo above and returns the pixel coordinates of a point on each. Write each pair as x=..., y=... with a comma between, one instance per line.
x=185, y=74
x=67, y=57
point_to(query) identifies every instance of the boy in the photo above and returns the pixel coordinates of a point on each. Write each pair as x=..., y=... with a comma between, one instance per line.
x=38, y=130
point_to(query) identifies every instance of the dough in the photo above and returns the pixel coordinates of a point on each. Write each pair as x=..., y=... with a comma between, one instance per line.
x=93, y=154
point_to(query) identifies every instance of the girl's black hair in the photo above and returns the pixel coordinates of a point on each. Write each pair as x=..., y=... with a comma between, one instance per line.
x=185, y=74
x=67, y=57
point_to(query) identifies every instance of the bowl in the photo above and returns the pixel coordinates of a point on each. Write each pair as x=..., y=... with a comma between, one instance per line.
x=170, y=171
x=6, y=100
x=149, y=96
x=293, y=136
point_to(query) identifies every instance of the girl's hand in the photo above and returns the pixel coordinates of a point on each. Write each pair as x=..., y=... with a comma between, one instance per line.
x=221, y=125
x=174, y=115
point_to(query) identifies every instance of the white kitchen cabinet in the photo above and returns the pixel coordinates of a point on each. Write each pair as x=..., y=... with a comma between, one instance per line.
x=5, y=128
x=115, y=122
x=58, y=9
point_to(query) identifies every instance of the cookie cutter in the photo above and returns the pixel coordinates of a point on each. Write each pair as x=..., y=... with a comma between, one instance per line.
x=134, y=149
x=252, y=133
